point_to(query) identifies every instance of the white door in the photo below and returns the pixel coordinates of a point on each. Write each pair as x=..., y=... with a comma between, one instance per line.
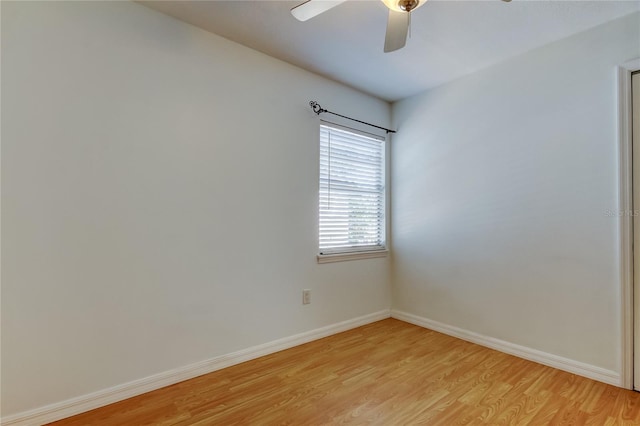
x=635, y=112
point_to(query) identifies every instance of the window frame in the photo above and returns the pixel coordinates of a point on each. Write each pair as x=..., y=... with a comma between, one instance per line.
x=354, y=253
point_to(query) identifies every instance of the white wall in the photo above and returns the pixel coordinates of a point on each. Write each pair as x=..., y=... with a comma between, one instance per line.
x=159, y=199
x=500, y=184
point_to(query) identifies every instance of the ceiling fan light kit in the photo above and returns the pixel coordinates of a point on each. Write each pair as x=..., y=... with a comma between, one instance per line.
x=403, y=5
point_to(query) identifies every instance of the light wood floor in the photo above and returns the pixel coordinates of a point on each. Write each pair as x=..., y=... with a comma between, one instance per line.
x=386, y=373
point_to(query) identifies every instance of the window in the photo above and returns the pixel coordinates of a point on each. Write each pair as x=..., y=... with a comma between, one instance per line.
x=352, y=194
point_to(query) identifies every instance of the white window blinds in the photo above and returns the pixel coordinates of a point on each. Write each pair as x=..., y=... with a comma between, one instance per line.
x=352, y=203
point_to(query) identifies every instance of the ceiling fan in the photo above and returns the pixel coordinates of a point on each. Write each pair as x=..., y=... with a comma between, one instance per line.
x=397, y=22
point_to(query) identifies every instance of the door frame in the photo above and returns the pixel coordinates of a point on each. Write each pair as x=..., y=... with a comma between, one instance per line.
x=625, y=205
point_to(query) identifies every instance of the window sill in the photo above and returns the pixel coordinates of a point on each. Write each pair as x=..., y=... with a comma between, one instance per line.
x=342, y=257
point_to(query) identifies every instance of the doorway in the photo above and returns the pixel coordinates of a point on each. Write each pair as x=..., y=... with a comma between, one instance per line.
x=635, y=140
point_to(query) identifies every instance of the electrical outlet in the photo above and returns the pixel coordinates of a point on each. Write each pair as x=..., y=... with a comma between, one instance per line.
x=306, y=296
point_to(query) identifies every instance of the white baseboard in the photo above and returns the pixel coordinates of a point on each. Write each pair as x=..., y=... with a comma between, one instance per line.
x=555, y=361
x=61, y=410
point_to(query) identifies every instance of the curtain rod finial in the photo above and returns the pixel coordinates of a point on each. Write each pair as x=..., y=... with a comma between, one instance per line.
x=316, y=107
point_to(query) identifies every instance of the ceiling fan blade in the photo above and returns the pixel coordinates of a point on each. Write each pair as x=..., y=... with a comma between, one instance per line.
x=397, y=29
x=311, y=8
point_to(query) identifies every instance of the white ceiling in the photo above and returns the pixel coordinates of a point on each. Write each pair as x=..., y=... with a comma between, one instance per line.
x=449, y=38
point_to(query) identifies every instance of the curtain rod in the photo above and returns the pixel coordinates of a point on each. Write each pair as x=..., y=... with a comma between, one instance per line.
x=318, y=110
